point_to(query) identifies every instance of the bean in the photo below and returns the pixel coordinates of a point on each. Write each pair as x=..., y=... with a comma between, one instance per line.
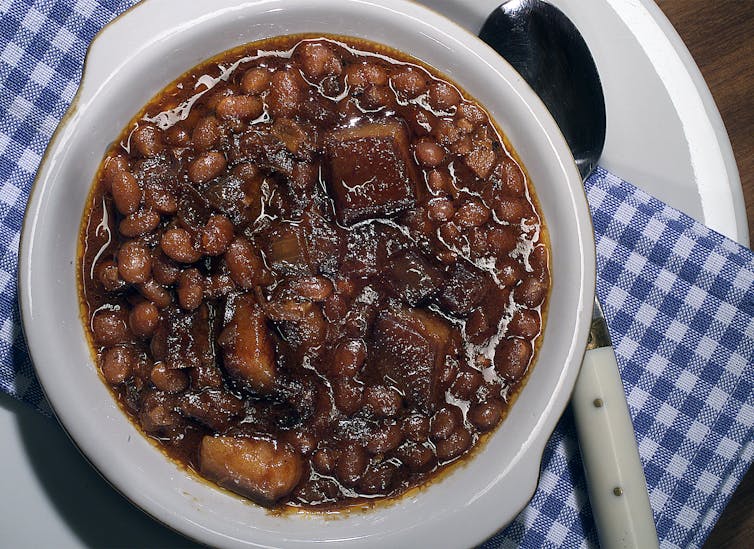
x=118, y=364
x=466, y=383
x=107, y=274
x=158, y=346
x=126, y=193
x=538, y=261
x=445, y=421
x=160, y=200
x=440, y=182
x=512, y=358
x=244, y=263
x=216, y=235
x=472, y=214
x=451, y=235
x=312, y=288
x=190, y=289
x=512, y=210
x=383, y=401
x=324, y=461
x=114, y=167
x=417, y=457
x=168, y=380
x=304, y=442
x=454, y=445
x=177, y=136
x=524, y=323
x=348, y=395
x=351, y=464
x=440, y=209
x=157, y=294
x=501, y=240
x=464, y=146
x=109, y=327
x=478, y=328
x=207, y=166
x=359, y=76
x=177, y=245
x=464, y=126
x=286, y=92
x=477, y=241
x=157, y=413
x=384, y=439
x=348, y=358
x=134, y=262
x=409, y=82
x=143, y=319
x=447, y=372
x=442, y=96
x=471, y=112
x=335, y=307
x=218, y=285
x=378, y=478
x=415, y=427
x=164, y=270
x=148, y=140
x=511, y=176
x=376, y=97
x=318, y=61
x=486, y=415
x=255, y=81
x=428, y=153
x=508, y=271
x=240, y=107
x=531, y=292
x=139, y=223
x=446, y=133
x=206, y=133
x=247, y=172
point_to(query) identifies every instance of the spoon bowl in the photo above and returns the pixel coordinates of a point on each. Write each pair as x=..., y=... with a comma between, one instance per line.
x=547, y=50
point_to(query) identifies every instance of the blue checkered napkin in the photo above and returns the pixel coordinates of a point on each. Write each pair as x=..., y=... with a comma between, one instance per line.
x=678, y=299
x=42, y=48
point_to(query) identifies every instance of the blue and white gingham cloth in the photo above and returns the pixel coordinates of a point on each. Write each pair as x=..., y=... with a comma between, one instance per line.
x=679, y=300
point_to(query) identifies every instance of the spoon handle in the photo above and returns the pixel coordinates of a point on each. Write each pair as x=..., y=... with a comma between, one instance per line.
x=614, y=474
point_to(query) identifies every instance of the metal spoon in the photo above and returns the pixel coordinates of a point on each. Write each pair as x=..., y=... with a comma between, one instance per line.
x=545, y=47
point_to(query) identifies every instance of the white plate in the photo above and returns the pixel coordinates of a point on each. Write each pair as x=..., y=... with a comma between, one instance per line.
x=664, y=134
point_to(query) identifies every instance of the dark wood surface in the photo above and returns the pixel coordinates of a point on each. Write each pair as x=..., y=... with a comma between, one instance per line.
x=720, y=36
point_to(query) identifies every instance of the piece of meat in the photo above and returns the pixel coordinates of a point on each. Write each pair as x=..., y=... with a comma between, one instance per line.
x=408, y=348
x=300, y=139
x=213, y=408
x=370, y=171
x=262, y=148
x=412, y=278
x=324, y=242
x=193, y=210
x=240, y=201
x=187, y=338
x=301, y=323
x=465, y=288
x=260, y=470
x=248, y=352
x=285, y=249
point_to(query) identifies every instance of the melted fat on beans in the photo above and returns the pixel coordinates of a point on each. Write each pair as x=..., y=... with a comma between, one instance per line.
x=313, y=272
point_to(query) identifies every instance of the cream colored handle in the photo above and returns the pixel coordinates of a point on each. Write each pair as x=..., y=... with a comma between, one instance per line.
x=614, y=475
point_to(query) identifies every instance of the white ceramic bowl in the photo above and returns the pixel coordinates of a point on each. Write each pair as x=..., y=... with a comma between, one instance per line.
x=128, y=63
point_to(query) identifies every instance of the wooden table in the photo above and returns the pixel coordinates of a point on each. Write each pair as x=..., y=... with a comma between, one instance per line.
x=720, y=37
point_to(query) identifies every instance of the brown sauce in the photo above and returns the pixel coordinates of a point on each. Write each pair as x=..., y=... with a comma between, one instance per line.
x=313, y=271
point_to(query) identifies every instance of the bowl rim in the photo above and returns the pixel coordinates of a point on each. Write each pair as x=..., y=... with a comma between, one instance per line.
x=551, y=412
